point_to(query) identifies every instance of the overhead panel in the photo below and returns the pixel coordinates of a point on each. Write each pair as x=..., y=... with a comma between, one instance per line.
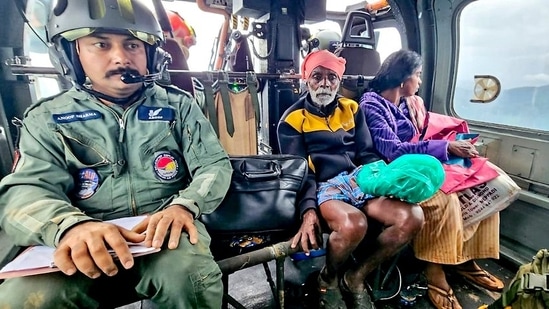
x=220, y=4
x=251, y=8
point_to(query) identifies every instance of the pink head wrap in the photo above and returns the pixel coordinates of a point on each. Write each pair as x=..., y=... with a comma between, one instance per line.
x=325, y=59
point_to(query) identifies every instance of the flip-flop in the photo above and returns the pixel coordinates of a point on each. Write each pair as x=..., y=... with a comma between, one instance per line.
x=483, y=278
x=441, y=298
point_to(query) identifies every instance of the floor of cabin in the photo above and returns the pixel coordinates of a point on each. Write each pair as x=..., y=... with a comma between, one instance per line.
x=251, y=288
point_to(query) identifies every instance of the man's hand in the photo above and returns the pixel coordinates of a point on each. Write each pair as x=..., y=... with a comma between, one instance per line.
x=463, y=149
x=309, y=233
x=176, y=218
x=84, y=247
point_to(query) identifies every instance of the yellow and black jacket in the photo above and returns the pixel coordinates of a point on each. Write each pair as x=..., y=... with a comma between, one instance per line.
x=333, y=139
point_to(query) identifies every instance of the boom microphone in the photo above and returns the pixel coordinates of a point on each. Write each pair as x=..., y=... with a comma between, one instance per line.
x=130, y=78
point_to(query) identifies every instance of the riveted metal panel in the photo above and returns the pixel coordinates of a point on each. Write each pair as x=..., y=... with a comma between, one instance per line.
x=488, y=147
x=522, y=159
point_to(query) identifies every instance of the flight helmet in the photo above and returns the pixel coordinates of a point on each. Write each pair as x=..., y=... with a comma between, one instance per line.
x=73, y=19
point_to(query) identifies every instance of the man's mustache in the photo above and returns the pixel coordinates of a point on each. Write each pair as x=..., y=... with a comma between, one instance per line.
x=121, y=71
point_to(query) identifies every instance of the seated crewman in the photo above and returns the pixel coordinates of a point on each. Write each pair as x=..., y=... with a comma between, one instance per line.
x=331, y=132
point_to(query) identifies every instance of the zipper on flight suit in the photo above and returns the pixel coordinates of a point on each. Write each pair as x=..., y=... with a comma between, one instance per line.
x=152, y=147
x=122, y=133
x=122, y=126
x=124, y=150
x=104, y=160
x=118, y=165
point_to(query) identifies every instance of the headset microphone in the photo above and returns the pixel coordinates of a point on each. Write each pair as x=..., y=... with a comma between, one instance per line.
x=130, y=78
x=164, y=59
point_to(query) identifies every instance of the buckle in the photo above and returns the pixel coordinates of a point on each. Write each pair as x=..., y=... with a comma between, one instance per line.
x=534, y=282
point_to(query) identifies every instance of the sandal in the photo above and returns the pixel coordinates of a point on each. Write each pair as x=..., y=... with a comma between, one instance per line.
x=442, y=299
x=329, y=298
x=483, y=278
x=360, y=300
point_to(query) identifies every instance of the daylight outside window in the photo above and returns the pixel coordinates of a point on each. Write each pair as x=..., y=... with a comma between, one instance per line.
x=506, y=39
x=36, y=48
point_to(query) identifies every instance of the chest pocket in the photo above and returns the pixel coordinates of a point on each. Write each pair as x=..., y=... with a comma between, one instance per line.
x=83, y=152
x=164, y=147
x=92, y=168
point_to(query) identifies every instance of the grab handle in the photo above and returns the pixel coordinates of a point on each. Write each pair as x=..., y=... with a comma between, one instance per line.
x=274, y=170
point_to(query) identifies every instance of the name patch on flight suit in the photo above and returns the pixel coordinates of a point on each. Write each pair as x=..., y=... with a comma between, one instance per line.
x=86, y=183
x=77, y=116
x=165, y=166
x=148, y=113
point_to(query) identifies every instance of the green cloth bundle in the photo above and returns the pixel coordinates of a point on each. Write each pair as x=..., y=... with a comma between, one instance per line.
x=411, y=177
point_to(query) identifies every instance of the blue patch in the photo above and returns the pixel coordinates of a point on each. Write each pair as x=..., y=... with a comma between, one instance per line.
x=155, y=113
x=86, y=183
x=77, y=116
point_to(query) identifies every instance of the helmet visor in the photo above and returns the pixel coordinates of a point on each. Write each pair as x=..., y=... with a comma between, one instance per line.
x=75, y=34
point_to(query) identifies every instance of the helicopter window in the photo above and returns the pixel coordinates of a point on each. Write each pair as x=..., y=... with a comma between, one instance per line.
x=342, y=5
x=360, y=28
x=36, y=48
x=510, y=51
x=206, y=26
x=387, y=41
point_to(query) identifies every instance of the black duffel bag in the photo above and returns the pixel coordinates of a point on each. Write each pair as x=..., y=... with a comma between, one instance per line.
x=260, y=206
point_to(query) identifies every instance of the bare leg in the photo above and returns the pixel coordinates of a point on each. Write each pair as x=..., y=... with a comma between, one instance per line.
x=440, y=293
x=348, y=225
x=435, y=275
x=401, y=220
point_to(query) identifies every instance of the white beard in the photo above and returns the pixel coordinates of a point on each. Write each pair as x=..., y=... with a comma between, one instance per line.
x=322, y=96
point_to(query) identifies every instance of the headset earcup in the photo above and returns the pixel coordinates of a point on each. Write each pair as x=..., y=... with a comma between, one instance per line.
x=156, y=59
x=58, y=60
x=64, y=57
x=159, y=60
x=77, y=71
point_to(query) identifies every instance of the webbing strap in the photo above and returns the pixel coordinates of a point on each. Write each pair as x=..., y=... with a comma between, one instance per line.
x=210, y=102
x=517, y=288
x=223, y=82
x=507, y=298
x=251, y=81
x=18, y=123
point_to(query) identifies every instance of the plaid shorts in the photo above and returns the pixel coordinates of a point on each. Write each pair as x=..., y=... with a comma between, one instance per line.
x=342, y=187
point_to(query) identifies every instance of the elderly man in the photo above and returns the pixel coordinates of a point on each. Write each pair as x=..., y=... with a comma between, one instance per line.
x=331, y=132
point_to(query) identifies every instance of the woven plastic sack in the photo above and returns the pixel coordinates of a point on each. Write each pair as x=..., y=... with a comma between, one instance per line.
x=412, y=178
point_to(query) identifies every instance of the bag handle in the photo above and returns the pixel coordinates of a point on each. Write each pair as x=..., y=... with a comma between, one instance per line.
x=274, y=170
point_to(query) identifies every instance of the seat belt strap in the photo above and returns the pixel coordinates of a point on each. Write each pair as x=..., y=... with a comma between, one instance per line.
x=209, y=101
x=507, y=298
x=360, y=85
x=223, y=82
x=18, y=123
x=251, y=82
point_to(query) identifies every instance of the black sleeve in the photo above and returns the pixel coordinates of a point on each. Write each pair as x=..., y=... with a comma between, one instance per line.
x=291, y=141
x=366, y=152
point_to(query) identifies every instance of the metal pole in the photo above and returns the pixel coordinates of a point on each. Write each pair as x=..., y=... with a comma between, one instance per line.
x=46, y=71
